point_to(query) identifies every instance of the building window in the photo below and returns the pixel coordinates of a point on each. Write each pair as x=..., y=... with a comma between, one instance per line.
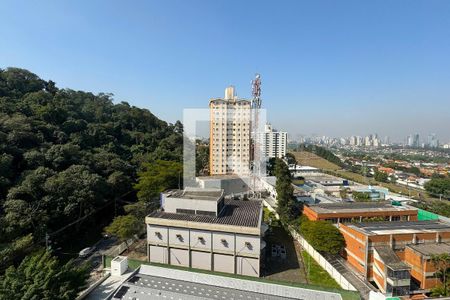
x=180, y=237
x=185, y=211
x=248, y=245
x=224, y=242
x=205, y=213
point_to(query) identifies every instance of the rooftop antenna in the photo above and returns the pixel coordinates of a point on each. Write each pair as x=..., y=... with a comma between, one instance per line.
x=256, y=105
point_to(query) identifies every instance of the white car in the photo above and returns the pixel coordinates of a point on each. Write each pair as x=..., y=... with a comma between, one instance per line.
x=86, y=252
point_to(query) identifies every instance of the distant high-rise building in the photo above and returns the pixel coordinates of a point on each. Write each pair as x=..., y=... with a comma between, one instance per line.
x=413, y=140
x=359, y=141
x=368, y=141
x=376, y=142
x=387, y=140
x=230, y=121
x=432, y=141
x=274, y=142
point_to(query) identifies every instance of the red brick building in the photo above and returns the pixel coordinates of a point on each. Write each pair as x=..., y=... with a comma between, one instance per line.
x=396, y=255
x=359, y=212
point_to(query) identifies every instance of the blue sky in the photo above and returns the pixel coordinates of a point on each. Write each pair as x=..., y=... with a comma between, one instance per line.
x=328, y=67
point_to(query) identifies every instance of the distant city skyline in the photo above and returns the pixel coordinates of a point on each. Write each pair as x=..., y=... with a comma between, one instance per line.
x=328, y=68
x=423, y=139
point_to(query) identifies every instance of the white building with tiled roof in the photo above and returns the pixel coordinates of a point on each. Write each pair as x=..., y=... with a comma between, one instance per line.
x=199, y=228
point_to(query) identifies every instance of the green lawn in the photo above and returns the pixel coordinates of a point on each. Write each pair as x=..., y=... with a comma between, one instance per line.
x=317, y=275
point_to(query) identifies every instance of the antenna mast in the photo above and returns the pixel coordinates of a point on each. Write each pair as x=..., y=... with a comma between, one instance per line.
x=256, y=105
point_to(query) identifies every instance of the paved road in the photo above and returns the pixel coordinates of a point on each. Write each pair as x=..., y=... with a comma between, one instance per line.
x=356, y=280
x=102, y=246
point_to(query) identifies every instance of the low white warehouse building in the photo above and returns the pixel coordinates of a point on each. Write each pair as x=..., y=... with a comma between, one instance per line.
x=199, y=228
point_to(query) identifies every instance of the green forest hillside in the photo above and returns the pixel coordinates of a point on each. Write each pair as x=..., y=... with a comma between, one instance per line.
x=66, y=154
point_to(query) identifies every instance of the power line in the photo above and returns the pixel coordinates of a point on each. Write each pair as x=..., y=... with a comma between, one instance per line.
x=47, y=236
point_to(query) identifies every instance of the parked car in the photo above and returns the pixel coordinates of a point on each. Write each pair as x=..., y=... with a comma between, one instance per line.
x=86, y=252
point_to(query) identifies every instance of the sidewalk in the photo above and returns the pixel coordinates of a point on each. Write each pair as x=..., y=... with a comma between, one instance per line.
x=357, y=281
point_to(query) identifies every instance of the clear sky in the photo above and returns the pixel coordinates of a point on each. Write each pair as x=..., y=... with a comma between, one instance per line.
x=328, y=67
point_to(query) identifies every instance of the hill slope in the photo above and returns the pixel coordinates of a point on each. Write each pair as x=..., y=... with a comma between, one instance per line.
x=65, y=154
x=310, y=159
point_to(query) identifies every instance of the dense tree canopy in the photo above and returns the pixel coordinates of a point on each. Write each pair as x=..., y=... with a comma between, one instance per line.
x=381, y=176
x=66, y=154
x=157, y=177
x=439, y=186
x=125, y=227
x=41, y=276
x=438, y=207
x=323, y=236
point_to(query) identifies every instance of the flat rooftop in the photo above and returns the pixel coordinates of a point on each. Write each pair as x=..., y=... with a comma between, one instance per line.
x=153, y=282
x=391, y=259
x=374, y=228
x=356, y=207
x=431, y=249
x=223, y=176
x=323, y=178
x=235, y=212
x=148, y=287
x=197, y=194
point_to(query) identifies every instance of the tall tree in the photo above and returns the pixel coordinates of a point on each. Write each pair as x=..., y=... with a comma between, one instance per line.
x=124, y=227
x=441, y=262
x=285, y=191
x=290, y=158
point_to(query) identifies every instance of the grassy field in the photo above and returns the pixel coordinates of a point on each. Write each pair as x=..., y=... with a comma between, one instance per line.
x=310, y=159
x=316, y=274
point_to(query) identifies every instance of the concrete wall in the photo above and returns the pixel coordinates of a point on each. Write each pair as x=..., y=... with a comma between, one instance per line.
x=201, y=260
x=179, y=257
x=159, y=254
x=201, y=240
x=178, y=237
x=229, y=185
x=223, y=263
x=203, y=249
x=227, y=246
x=172, y=203
x=247, y=266
x=157, y=234
x=248, y=245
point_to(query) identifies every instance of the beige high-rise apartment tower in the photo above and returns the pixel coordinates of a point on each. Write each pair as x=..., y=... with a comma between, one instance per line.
x=230, y=129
